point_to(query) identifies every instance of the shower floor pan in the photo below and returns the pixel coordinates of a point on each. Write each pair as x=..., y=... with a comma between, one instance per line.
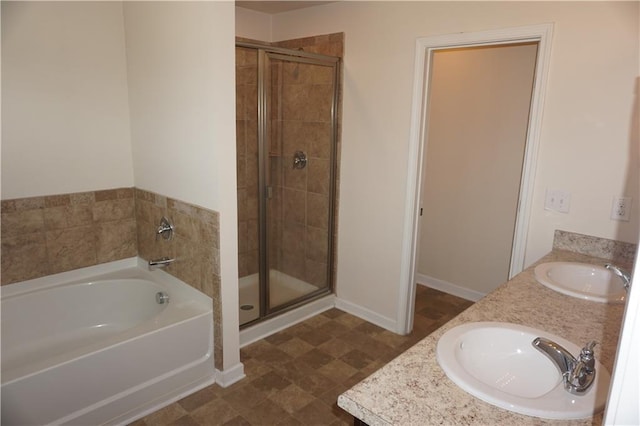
x=284, y=288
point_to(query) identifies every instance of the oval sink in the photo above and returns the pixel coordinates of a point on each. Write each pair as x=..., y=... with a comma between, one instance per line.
x=581, y=280
x=497, y=363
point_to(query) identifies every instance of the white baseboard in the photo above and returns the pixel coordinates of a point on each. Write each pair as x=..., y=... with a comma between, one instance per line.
x=230, y=376
x=367, y=315
x=449, y=288
x=285, y=320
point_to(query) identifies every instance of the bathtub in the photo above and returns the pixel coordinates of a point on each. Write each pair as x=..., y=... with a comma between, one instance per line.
x=97, y=345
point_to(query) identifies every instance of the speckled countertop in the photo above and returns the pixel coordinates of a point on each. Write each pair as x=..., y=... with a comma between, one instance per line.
x=413, y=390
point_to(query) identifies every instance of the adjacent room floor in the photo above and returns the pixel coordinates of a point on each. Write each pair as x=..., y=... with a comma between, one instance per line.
x=294, y=377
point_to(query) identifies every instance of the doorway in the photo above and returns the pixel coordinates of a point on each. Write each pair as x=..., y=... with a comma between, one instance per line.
x=479, y=102
x=425, y=49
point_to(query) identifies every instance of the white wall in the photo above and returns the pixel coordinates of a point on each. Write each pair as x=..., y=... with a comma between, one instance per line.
x=585, y=139
x=181, y=67
x=252, y=24
x=65, y=113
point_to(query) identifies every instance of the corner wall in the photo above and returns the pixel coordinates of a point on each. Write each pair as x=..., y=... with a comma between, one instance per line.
x=180, y=62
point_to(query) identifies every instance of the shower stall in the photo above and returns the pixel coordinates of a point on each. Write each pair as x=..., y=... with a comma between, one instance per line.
x=287, y=135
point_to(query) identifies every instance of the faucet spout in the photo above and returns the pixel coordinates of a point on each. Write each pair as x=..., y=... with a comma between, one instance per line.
x=621, y=273
x=577, y=374
x=556, y=353
x=160, y=263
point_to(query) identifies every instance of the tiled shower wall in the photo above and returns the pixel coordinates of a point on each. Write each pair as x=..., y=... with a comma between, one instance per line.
x=57, y=233
x=300, y=121
x=247, y=159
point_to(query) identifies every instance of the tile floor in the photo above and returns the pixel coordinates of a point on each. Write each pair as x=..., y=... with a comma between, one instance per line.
x=294, y=377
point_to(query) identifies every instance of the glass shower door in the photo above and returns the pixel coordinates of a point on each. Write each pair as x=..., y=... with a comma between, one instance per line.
x=298, y=150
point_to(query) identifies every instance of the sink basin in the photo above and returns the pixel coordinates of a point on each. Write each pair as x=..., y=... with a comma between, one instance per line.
x=581, y=280
x=497, y=363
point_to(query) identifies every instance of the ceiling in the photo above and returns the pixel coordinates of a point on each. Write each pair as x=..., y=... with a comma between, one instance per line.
x=273, y=7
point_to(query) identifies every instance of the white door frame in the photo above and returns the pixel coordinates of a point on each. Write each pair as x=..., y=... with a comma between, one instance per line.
x=425, y=46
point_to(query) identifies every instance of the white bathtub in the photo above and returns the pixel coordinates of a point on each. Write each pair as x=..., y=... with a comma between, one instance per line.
x=94, y=346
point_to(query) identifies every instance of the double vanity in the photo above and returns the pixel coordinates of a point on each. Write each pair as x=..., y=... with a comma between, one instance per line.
x=483, y=368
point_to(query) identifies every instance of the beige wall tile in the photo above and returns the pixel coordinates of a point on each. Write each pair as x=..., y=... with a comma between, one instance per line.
x=294, y=205
x=113, y=209
x=24, y=257
x=316, y=244
x=318, y=210
x=33, y=203
x=68, y=216
x=71, y=248
x=23, y=222
x=116, y=240
x=318, y=177
x=57, y=200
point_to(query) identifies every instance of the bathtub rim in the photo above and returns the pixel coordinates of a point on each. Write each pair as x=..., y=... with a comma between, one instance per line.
x=95, y=272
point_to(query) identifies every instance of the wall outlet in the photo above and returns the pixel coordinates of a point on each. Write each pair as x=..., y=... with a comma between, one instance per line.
x=621, y=208
x=557, y=200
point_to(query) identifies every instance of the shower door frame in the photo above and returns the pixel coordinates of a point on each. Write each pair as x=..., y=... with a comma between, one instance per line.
x=264, y=55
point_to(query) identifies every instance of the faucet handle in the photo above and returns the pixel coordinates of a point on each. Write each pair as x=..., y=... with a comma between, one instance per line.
x=165, y=229
x=587, y=356
x=587, y=350
x=589, y=347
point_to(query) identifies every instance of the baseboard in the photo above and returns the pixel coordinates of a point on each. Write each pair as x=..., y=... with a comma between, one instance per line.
x=449, y=288
x=230, y=376
x=287, y=319
x=367, y=315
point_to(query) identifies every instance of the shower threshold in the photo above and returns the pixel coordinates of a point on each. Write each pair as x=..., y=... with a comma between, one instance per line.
x=284, y=288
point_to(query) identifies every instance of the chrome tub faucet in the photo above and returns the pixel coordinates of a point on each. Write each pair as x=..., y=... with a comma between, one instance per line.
x=577, y=374
x=619, y=272
x=160, y=263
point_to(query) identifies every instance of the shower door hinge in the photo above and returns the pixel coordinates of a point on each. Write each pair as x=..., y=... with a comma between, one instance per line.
x=420, y=211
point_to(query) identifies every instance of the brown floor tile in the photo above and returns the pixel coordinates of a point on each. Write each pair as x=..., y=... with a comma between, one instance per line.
x=237, y=421
x=265, y=413
x=200, y=398
x=316, y=413
x=217, y=412
x=184, y=421
x=335, y=347
x=270, y=383
x=295, y=347
x=338, y=371
x=292, y=398
x=315, y=359
x=315, y=337
x=245, y=397
x=166, y=415
x=294, y=377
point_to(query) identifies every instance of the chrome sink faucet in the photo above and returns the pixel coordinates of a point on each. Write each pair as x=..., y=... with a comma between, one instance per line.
x=619, y=272
x=577, y=374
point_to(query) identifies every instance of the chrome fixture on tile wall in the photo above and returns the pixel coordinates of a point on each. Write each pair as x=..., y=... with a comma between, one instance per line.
x=165, y=229
x=299, y=160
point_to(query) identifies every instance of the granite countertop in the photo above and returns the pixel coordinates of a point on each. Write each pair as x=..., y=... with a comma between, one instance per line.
x=413, y=390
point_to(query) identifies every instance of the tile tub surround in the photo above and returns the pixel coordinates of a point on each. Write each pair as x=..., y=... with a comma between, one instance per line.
x=195, y=246
x=413, y=389
x=57, y=233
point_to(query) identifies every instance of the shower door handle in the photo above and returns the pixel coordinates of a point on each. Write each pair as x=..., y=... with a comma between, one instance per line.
x=299, y=160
